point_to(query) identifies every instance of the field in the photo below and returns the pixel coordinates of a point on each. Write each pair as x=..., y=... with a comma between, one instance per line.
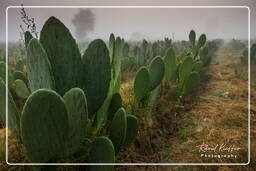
x=118, y=101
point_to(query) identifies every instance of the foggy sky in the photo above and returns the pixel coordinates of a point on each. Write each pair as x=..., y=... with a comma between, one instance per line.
x=149, y=23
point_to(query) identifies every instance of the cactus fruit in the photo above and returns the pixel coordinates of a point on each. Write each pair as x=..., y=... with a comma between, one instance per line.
x=3, y=70
x=115, y=104
x=185, y=69
x=21, y=89
x=63, y=54
x=102, y=151
x=39, y=67
x=201, y=41
x=156, y=72
x=118, y=129
x=170, y=65
x=141, y=84
x=191, y=83
x=21, y=76
x=97, y=74
x=44, y=125
x=132, y=129
x=13, y=113
x=192, y=37
x=28, y=36
x=76, y=104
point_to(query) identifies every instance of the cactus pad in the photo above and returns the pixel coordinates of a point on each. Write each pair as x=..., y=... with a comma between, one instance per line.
x=97, y=74
x=63, y=54
x=156, y=72
x=39, y=68
x=141, y=84
x=132, y=129
x=76, y=104
x=102, y=151
x=118, y=129
x=44, y=125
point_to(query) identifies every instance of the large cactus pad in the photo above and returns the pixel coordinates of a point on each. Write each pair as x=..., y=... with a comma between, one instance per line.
x=39, y=68
x=76, y=104
x=63, y=54
x=97, y=74
x=44, y=125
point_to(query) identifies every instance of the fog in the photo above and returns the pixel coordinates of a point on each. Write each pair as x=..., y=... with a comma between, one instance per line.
x=137, y=23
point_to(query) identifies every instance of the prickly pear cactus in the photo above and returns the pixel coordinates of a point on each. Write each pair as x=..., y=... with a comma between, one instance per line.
x=21, y=89
x=28, y=36
x=201, y=41
x=132, y=129
x=156, y=72
x=13, y=113
x=44, y=125
x=191, y=83
x=192, y=37
x=111, y=46
x=21, y=76
x=2, y=70
x=115, y=104
x=39, y=68
x=20, y=65
x=141, y=84
x=185, y=69
x=198, y=67
x=102, y=151
x=116, y=64
x=118, y=129
x=76, y=104
x=170, y=65
x=63, y=54
x=97, y=74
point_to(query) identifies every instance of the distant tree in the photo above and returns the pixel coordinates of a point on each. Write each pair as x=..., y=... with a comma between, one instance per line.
x=84, y=22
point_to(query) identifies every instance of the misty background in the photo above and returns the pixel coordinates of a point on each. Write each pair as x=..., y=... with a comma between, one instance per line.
x=86, y=24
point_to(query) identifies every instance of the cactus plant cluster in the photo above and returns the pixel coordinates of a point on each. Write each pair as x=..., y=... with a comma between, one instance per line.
x=66, y=94
x=148, y=78
x=244, y=57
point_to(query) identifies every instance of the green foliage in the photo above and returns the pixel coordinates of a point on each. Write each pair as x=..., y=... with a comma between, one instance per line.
x=102, y=151
x=76, y=104
x=2, y=70
x=156, y=72
x=192, y=37
x=170, y=65
x=28, y=36
x=39, y=68
x=132, y=129
x=191, y=83
x=115, y=104
x=201, y=41
x=141, y=84
x=118, y=129
x=97, y=74
x=21, y=89
x=111, y=46
x=63, y=54
x=21, y=76
x=13, y=113
x=185, y=69
x=45, y=118
x=20, y=65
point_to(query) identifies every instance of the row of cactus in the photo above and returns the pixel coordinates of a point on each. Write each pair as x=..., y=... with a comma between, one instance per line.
x=187, y=70
x=70, y=97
